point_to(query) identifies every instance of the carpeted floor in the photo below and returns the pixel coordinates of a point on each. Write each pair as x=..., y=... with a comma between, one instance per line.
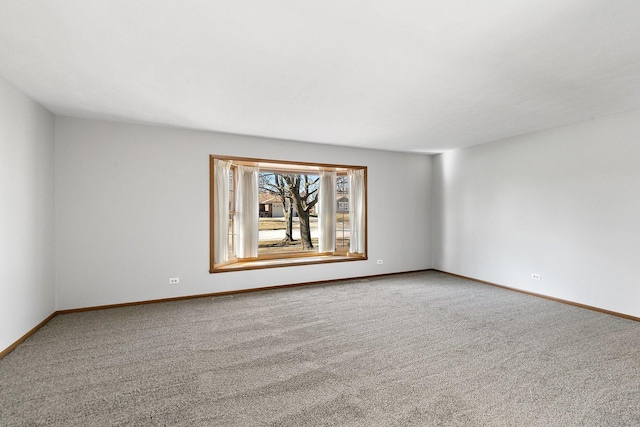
x=422, y=349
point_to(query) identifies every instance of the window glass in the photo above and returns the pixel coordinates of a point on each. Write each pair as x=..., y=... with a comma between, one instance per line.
x=342, y=213
x=288, y=220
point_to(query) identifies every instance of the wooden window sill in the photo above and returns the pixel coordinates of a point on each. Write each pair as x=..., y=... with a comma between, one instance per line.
x=285, y=262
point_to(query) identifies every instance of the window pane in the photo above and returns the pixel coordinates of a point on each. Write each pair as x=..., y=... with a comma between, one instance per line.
x=232, y=191
x=232, y=246
x=342, y=213
x=282, y=227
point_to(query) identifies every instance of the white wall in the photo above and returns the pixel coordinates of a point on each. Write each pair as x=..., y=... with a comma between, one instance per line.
x=27, y=287
x=132, y=209
x=563, y=203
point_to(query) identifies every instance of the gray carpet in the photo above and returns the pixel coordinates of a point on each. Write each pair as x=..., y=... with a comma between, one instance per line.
x=416, y=349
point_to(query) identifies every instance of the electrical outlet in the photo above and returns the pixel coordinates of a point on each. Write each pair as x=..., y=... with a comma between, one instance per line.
x=379, y=261
x=535, y=276
x=174, y=281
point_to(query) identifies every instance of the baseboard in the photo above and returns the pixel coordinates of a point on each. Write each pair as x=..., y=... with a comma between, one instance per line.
x=563, y=301
x=9, y=349
x=291, y=285
x=239, y=291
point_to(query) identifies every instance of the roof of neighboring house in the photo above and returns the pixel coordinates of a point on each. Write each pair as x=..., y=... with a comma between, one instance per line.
x=266, y=198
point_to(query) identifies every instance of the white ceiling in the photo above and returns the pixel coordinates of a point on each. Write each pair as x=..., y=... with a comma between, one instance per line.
x=407, y=75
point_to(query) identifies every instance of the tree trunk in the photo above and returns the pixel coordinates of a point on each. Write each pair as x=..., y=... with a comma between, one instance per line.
x=288, y=218
x=305, y=229
x=305, y=201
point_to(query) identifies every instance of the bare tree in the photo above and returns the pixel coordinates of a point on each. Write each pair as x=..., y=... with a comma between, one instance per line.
x=342, y=184
x=304, y=192
x=299, y=191
x=273, y=183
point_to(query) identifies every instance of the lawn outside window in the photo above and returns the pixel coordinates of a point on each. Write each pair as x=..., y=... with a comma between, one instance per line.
x=272, y=213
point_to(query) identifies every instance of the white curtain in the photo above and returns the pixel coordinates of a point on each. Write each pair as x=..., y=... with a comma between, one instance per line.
x=221, y=210
x=327, y=212
x=356, y=211
x=246, y=217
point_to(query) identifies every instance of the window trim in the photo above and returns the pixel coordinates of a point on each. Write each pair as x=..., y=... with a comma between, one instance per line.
x=286, y=259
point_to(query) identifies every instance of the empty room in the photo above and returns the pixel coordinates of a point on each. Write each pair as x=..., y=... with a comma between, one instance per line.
x=319, y=213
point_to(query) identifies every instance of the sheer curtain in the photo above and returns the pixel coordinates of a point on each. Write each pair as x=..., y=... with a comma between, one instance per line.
x=246, y=217
x=356, y=211
x=221, y=211
x=327, y=212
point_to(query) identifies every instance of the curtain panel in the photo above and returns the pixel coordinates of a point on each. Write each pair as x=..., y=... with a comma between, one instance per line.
x=246, y=218
x=221, y=211
x=356, y=211
x=327, y=212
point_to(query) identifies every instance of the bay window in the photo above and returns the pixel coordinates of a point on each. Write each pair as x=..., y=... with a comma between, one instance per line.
x=269, y=213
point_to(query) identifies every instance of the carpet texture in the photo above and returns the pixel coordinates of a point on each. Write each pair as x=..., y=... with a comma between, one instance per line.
x=422, y=349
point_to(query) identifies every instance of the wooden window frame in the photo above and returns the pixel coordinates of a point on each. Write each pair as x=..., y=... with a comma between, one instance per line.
x=287, y=258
